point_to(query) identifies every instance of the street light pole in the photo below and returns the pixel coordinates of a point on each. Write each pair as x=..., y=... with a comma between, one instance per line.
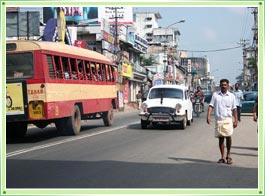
x=165, y=48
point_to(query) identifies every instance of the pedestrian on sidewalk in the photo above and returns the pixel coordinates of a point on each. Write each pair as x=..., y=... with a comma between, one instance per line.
x=255, y=111
x=139, y=99
x=239, y=98
x=224, y=105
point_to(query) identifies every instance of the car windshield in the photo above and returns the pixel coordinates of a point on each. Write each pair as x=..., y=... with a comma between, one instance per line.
x=250, y=96
x=166, y=93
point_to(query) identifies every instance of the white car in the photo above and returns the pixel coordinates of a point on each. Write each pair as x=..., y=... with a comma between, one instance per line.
x=167, y=104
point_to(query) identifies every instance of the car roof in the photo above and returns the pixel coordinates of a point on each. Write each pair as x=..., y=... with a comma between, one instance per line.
x=175, y=86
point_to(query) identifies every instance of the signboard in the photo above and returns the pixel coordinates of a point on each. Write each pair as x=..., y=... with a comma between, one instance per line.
x=158, y=79
x=81, y=44
x=120, y=99
x=126, y=70
x=14, y=99
x=108, y=37
x=124, y=14
x=79, y=15
x=189, y=65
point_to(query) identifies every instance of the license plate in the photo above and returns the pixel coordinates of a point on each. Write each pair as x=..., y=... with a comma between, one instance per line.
x=161, y=119
x=36, y=112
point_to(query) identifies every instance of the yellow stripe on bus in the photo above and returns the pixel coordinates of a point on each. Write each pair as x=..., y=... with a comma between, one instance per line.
x=52, y=92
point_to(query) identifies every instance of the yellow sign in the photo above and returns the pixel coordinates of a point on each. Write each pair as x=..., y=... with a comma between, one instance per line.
x=14, y=99
x=36, y=111
x=126, y=70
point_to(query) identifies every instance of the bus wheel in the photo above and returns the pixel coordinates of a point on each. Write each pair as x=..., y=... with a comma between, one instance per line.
x=16, y=129
x=108, y=118
x=70, y=125
x=73, y=124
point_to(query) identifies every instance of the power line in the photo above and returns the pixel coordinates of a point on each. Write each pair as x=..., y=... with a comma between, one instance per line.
x=216, y=50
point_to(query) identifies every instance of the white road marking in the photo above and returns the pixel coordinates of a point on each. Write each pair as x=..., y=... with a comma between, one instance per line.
x=22, y=151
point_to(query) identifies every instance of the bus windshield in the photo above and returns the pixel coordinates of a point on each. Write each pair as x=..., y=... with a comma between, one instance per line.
x=19, y=65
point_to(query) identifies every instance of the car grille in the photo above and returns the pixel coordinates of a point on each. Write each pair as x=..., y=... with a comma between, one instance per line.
x=161, y=110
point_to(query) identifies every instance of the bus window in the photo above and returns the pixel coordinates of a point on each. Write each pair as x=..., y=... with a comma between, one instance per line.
x=88, y=70
x=66, y=69
x=80, y=70
x=19, y=65
x=59, y=70
x=51, y=67
x=107, y=73
x=94, y=72
x=98, y=72
x=73, y=66
x=103, y=68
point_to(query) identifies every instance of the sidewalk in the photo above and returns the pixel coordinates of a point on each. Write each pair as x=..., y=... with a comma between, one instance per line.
x=128, y=108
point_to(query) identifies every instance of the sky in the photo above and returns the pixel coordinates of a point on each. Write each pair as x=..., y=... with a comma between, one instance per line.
x=211, y=28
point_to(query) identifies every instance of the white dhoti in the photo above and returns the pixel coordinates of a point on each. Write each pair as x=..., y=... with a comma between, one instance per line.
x=224, y=128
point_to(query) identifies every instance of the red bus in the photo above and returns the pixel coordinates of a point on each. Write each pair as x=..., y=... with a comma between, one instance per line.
x=49, y=82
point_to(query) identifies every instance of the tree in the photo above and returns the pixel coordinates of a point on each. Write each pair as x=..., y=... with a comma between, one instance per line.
x=252, y=63
x=148, y=61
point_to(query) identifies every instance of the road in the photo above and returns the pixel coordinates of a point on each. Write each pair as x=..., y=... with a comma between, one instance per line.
x=125, y=156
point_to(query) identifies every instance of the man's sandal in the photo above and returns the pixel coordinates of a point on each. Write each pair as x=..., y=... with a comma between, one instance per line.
x=221, y=161
x=229, y=160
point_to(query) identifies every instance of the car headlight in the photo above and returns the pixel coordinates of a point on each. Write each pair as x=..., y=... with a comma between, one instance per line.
x=144, y=105
x=178, y=107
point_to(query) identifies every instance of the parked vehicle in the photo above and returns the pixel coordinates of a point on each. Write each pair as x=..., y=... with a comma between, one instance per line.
x=167, y=104
x=249, y=100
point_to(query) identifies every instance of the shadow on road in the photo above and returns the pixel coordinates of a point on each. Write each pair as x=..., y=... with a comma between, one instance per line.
x=185, y=173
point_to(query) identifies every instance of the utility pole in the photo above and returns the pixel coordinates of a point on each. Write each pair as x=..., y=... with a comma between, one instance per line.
x=116, y=43
x=244, y=44
x=255, y=45
x=166, y=44
x=165, y=61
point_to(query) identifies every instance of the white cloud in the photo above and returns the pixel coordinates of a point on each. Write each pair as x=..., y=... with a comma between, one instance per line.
x=209, y=34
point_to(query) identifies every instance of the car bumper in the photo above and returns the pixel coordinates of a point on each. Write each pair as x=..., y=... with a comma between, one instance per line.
x=162, y=117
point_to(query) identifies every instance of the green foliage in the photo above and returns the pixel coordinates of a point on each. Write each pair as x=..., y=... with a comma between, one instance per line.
x=148, y=61
x=252, y=63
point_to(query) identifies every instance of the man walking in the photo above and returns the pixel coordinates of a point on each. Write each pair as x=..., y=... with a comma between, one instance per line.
x=224, y=105
x=239, y=98
x=139, y=99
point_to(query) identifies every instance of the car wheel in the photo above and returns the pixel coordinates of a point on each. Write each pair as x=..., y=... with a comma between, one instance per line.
x=190, y=121
x=144, y=124
x=184, y=123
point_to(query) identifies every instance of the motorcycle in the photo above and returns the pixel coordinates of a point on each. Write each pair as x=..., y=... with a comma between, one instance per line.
x=197, y=106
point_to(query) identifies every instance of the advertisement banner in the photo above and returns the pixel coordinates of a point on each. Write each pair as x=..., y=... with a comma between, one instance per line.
x=126, y=70
x=79, y=15
x=14, y=99
x=123, y=14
